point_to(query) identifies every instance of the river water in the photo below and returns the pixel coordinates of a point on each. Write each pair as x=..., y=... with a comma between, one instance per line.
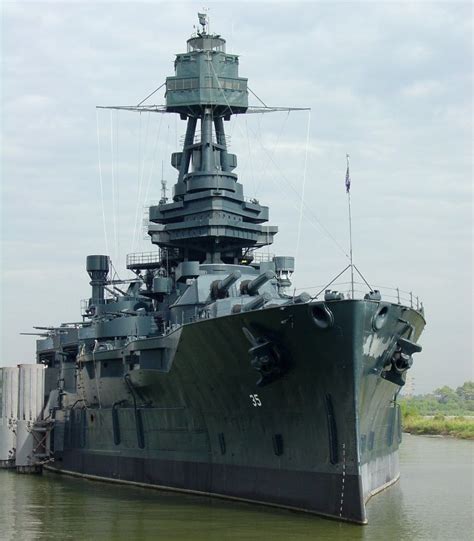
x=433, y=500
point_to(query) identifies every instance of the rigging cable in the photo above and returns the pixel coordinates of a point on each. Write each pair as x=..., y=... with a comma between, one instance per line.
x=115, y=275
x=308, y=212
x=219, y=86
x=298, y=236
x=117, y=181
x=176, y=142
x=138, y=217
x=250, y=160
x=138, y=174
x=262, y=102
x=101, y=185
x=145, y=199
x=114, y=209
x=150, y=95
x=275, y=145
x=306, y=208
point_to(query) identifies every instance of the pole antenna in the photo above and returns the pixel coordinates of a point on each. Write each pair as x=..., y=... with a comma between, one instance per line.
x=348, y=191
x=163, y=199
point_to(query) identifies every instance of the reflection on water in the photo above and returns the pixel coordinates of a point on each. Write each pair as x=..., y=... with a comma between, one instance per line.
x=433, y=500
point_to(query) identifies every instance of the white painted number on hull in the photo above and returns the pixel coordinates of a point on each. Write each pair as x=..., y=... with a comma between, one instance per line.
x=255, y=400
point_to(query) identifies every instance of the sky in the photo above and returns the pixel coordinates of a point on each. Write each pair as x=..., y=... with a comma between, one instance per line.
x=389, y=83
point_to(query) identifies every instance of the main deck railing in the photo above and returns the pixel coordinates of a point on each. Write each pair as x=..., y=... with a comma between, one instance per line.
x=392, y=294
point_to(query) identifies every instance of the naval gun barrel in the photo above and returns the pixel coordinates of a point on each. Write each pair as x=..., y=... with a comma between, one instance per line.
x=302, y=298
x=220, y=288
x=257, y=302
x=251, y=287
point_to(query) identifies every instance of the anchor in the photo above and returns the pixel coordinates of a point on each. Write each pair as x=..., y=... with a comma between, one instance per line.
x=400, y=360
x=266, y=358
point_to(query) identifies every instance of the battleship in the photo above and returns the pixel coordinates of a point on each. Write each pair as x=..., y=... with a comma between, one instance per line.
x=203, y=373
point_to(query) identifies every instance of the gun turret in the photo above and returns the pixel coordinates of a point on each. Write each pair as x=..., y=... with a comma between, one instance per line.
x=251, y=287
x=220, y=288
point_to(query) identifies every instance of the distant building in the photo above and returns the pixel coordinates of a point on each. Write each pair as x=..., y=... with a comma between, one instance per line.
x=408, y=390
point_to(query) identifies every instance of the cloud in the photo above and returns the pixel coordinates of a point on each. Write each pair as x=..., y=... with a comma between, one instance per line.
x=422, y=89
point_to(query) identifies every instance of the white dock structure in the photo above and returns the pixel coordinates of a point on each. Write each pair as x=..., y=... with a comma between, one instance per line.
x=8, y=415
x=30, y=408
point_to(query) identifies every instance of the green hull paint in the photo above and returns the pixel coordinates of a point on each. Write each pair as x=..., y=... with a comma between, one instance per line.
x=205, y=375
x=200, y=409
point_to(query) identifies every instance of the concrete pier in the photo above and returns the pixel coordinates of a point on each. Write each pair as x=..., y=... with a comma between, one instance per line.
x=8, y=415
x=30, y=407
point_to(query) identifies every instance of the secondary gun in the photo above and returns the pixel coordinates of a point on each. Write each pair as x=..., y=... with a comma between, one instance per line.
x=254, y=304
x=220, y=288
x=302, y=298
x=251, y=287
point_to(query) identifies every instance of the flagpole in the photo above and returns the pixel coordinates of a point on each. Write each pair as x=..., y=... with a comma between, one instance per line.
x=348, y=190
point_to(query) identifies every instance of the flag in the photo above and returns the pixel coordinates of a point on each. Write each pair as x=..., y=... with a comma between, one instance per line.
x=348, y=180
x=202, y=19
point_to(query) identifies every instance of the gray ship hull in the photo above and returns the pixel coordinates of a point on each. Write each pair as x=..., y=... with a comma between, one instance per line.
x=184, y=411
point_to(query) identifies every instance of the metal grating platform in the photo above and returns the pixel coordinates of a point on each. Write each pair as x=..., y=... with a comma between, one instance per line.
x=144, y=260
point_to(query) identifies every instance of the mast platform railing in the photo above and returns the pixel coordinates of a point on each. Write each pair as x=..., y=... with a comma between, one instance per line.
x=143, y=258
x=258, y=257
x=150, y=260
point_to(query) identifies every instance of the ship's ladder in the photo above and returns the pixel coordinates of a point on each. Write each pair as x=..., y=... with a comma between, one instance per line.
x=41, y=432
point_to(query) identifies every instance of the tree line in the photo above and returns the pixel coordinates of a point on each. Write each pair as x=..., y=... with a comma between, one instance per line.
x=444, y=400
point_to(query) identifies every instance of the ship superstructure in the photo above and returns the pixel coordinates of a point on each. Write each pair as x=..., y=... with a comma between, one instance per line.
x=203, y=373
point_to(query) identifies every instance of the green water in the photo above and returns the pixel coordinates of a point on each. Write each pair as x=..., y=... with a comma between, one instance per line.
x=433, y=500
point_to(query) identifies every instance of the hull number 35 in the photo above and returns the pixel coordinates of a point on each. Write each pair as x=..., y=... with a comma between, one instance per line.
x=255, y=400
